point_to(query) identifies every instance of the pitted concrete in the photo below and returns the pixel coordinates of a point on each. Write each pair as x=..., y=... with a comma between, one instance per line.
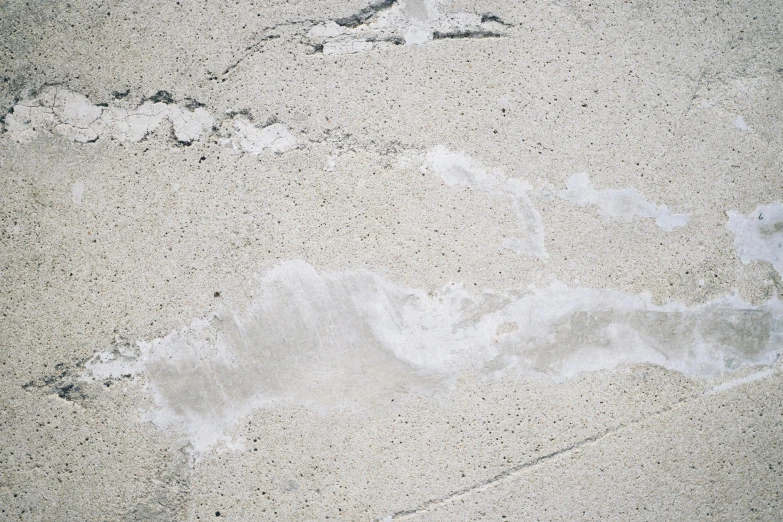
x=410, y=260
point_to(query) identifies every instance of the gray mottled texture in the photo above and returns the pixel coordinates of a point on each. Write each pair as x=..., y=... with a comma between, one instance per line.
x=295, y=260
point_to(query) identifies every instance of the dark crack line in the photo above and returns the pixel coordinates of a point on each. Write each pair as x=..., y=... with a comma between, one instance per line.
x=61, y=383
x=355, y=20
x=437, y=35
x=490, y=17
x=487, y=483
x=249, y=51
x=252, y=49
x=366, y=14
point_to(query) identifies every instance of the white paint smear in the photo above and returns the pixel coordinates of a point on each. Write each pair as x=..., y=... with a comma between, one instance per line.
x=741, y=125
x=77, y=193
x=624, y=203
x=355, y=340
x=758, y=236
x=753, y=377
x=458, y=170
x=253, y=140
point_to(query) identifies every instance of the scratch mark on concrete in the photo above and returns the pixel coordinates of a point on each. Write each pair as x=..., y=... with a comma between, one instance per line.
x=525, y=466
x=249, y=51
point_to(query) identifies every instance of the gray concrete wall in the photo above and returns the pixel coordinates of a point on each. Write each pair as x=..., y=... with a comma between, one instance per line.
x=414, y=260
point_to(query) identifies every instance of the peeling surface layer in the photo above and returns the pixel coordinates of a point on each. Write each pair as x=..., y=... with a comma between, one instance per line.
x=353, y=339
x=459, y=170
x=758, y=236
x=69, y=114
x=404, y=22
x=623, y=203
x=72, y=115
x=292, y=260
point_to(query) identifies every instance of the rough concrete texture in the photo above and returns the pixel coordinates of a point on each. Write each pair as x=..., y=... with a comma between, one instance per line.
x=410, y=260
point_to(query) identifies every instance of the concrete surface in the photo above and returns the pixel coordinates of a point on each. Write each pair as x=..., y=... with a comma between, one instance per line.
x=414, y=260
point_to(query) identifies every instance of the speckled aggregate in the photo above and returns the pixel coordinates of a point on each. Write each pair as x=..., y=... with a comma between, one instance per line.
x=161, y=162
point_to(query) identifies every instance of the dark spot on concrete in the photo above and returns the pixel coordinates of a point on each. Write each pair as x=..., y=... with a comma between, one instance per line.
x=48, y=379
x=70, y=392
x=242, y=112
x=396, y=40
x=161, y=97
x=179, y=142
x=193, y=104
x=437, y=35
x=217, y=294
x=120, y=95
x=489, y=17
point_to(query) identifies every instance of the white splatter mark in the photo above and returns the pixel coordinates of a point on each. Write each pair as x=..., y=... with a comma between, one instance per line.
x=355, y=340
x=740, y=124
x=253, y=140
x=77, y=193
x=624, y=203
x=758, y=236
x=458, y=170
x=753, y=377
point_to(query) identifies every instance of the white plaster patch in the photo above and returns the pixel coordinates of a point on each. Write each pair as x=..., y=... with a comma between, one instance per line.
x=758, y=236
x=409, y=22
x=457, y=169
x=741, y=125
x=624, y=203
x=253, y=140
x=72, y=115
x=77, y=193
x=355, y=340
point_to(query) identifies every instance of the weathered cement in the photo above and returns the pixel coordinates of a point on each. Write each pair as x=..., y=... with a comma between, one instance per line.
x=418, y=260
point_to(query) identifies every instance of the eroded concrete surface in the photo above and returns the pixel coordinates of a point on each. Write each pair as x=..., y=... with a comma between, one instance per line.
x=409, y=260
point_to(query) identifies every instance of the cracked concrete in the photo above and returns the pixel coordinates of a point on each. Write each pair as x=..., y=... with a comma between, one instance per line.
x=54, y=110
x=403, y=22
x=408, y=259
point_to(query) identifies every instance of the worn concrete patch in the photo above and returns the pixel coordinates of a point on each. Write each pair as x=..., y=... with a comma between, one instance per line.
x=758, y=236
x=353, y=339
x=624, y=203
x=459, y=170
